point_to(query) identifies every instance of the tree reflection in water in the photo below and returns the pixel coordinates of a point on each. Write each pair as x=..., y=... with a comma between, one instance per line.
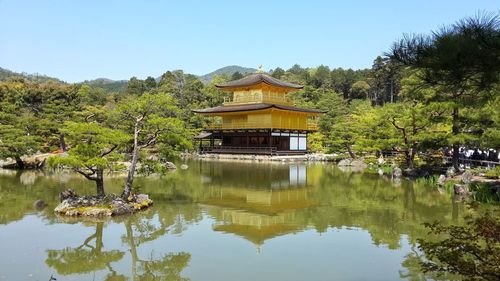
x=84, y=258
x=167, y=267
x=90, y=256
x=253, y=201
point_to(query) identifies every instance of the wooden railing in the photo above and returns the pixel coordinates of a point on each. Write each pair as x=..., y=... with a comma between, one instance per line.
x=261, y=125
x=312, y=126
x=474, y=162
x=258, y=98
x=465, y=161
x=239, y=149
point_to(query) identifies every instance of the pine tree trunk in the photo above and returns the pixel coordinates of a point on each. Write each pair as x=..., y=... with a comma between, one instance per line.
x=133, y=248
x=20, y=163
x=99, y=181
x=351, y=153
x=456, y=145
x=62, y=143
x=98, y=237
x=409, y=162
x=410, y=158
x=392, y=90
x=131, y=170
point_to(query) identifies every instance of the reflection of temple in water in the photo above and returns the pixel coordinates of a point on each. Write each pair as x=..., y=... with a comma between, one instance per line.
x=258, y=203
x=263, y=176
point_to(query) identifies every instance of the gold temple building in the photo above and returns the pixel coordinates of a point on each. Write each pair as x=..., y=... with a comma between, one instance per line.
x=261, y=209
x=258, y=118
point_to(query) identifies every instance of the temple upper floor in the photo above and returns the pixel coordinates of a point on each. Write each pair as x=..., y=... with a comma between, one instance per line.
x=257, y=96
x=258, y=88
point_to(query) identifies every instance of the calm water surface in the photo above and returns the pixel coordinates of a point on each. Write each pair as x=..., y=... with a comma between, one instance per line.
x=224, y=221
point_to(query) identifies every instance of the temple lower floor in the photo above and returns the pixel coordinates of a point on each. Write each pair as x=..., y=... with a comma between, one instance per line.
x=254, y=142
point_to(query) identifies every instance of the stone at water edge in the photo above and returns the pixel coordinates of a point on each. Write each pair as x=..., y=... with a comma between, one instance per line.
x=344, y=162
x=380, y=160
x=89, y=212
x=94, y=206
x=461, y=189
x=466, y=177
x=441, y=180
x=397, y=172
x=450, y=172
x=63, y=207
x=411, y=172
x=380, y=172
x=39, y=204
x=358, y=165
x=120, y=207
x=143, y=199
x=170, y=166
x=397, y=182
x=67, y=194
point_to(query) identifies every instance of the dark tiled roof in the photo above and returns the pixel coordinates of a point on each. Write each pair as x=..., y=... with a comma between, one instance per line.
x=203, y=135
x=251, y=107
x=258, y=78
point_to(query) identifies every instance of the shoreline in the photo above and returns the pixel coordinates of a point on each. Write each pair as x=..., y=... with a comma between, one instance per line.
x=252, y=158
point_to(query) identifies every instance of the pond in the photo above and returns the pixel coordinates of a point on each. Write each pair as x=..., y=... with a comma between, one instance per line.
x=224, y=221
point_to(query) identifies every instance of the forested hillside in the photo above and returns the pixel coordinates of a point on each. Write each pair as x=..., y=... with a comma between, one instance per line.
x=409, y=101
x=227, y=70
x=6, y=74
x=107, y=85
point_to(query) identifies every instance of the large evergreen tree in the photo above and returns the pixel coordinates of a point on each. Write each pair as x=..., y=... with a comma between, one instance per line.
x=461, y=61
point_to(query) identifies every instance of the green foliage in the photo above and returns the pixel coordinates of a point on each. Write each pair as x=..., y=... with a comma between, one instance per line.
x=149, y=167
x=483, y=192
x=278, y=72
x=107, y=85
x=17, y=135
x=151, y=120
x=493, y=173
x=352, y=127
x=156, y=118
x=472, y=251
x=90, y=144
x=6, y=74
x=384, y=80
x=409, y=127
x=359, y=90
x=237, y=75
x=454, y=59
x=93, y=150
x=457, y=64
x=490, y=123
x=214, y=96
x=315, y=142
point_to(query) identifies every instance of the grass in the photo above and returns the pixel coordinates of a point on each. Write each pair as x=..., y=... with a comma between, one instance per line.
x=482, y=193
x=432, y=182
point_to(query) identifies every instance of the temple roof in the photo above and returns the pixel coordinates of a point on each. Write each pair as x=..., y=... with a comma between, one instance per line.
x=258, y=235
x=258, y=78
x=252, y=107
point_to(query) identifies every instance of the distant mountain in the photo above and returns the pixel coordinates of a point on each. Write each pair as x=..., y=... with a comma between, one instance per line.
x=228, y=70
x=107, y=84
x=120, y=85
x=35, y=77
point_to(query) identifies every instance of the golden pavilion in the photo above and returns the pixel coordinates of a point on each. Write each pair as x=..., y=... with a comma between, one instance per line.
x=258, y=208
x=258, y=118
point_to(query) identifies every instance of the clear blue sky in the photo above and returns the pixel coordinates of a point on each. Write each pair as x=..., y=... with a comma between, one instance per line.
x=78, y=40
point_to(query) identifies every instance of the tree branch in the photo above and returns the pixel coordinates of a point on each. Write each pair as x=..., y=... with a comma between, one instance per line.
x=86, y=175
x=109, y=151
